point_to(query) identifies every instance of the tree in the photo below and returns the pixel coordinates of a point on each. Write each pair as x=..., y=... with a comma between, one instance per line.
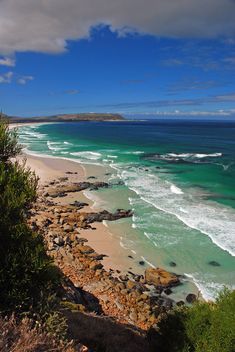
x=26, y=272
x=9, y=146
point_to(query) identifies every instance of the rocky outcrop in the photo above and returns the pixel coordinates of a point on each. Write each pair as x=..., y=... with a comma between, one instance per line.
x=105, y=215
x=161, y=278
x=61, y=190
x=128, y=298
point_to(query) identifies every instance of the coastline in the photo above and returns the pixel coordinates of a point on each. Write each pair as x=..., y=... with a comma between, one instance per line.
x=101, y=239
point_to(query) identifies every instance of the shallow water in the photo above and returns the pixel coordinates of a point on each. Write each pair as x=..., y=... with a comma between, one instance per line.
x=178, y=177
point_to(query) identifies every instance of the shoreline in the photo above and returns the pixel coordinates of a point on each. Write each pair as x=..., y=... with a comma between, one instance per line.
x=116, y=257
x=101, y=239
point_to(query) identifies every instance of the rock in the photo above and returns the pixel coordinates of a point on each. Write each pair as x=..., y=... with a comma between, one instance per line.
x=81, y=240
x=97, y=256
x=95, y=265
x=58, y=241
x=118, y=304
x=123, y=277
x=167, y=304
x=105, y=215
x=214, y=263
x=96, y=185
x=48, y=222
x=180, y=303
x=130, y=284
x=133, y=316
x=144, y=296
x=79, y=205
x=61, y=191
x=121, y=286
x=160, y=277
x=68, y=228
x=124, y=292
x=191, y=298
x=85, y=249
x=167, y=291
x=51, y=246
x=63, y=179
x=172, y=264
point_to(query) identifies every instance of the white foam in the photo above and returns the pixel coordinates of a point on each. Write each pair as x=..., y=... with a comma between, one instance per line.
x=183, y=210
x=122, y=244
x=112, y=156
x=105, y=223
x=149, y=263
x=176, y=190
x=194, y=155
x=137, y=152
x=208, y=289
x=214, y=220
x=55, y=146
x=87, y=155
x=97, y=202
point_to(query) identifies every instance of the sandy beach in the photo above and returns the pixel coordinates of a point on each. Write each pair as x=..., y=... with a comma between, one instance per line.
x=101, y=239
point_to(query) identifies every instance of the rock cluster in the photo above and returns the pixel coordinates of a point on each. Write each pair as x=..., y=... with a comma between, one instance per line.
x=129, y=298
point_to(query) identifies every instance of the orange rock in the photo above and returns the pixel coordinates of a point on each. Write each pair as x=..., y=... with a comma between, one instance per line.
x=160, y=277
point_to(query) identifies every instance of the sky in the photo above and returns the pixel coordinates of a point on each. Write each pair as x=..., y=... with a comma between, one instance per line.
x=134, y=57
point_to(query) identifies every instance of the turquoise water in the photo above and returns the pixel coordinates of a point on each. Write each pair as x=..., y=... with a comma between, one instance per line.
x=178, y=177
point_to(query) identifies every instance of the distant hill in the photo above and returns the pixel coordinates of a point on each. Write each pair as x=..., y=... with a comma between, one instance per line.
x=68, y=118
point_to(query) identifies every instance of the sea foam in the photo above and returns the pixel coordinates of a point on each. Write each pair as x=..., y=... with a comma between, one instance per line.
x=214, y=220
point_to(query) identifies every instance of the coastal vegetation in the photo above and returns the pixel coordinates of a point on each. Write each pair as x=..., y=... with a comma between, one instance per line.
x=204, y=327
x=30, y=283
x=28, y=278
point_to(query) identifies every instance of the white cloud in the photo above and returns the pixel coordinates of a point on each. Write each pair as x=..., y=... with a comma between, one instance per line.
x=6, y=77
x=45, y=26
x=24, y=79
x=7, y=61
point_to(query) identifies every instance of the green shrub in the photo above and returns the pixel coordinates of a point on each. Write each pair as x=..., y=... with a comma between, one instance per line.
x=204, y=327
x=25, y=270
x=9, y=147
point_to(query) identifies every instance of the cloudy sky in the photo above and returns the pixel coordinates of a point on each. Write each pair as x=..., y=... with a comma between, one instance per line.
x=129, y=56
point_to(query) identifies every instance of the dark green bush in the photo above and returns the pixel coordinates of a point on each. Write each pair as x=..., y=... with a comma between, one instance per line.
x=9, y=147
x=26, y=272
x=204, y=327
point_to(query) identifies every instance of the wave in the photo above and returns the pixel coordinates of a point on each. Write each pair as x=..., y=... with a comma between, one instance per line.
x=137, y=152
x=215, y=221
x=176, y=190
x=55, y=146
x=208, y=288
x=122, y=244
x=87, y=155
x=183, y=157
x=32, y=134
x=195, y=155
x=112, y=156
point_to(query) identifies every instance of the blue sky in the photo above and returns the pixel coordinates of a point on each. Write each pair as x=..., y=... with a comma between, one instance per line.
x=111, y=67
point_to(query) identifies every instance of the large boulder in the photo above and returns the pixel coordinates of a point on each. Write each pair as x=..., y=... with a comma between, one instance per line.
x=160, y=277
x=191, y=298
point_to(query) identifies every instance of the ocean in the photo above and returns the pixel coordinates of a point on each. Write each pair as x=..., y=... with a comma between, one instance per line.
x=177, y=176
